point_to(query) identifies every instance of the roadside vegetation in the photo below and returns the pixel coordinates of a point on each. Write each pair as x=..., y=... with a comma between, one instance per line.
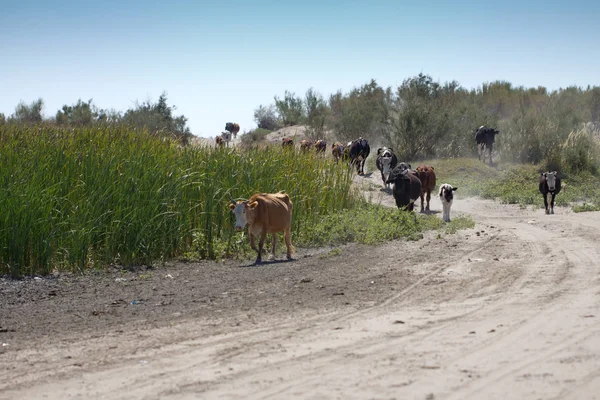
x=75, y=199
x=516, y=183
x=89, y=187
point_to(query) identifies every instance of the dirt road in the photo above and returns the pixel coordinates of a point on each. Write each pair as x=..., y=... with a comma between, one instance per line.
x=510, y=309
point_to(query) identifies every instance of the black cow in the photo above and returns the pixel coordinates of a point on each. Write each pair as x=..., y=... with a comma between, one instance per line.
x=407, y=186
x=485, y=137
x=359, y=151
x=232, y=128
x=549, y=183
x=386, y=161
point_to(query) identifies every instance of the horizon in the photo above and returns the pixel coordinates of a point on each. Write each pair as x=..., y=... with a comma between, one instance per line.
x=218, y=62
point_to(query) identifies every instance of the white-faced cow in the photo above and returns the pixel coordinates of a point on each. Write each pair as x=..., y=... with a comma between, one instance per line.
x=549, y=183
x=359, y=150
x=407, y=186
x=265, y=213
x=386, y=162
x=320, y=146
x=226, y=137
x=446, y=197
x=219, y=141
x=484, y=137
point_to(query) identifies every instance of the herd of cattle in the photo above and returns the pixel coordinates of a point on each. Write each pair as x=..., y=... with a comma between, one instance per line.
x=272, y=213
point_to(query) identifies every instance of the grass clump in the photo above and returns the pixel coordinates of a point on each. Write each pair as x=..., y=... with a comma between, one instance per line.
x=373, y=224
x=515, y=184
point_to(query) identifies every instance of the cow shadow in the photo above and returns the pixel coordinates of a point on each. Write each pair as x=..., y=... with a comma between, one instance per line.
x=266, y=263
x=430, y=212
x=385, y=190
x=367, y=175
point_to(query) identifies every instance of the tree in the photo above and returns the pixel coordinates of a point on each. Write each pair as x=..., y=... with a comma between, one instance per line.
x=362, y=112
x=158, y=119
x=266, y=117
x=80, y=114
x=2, y=119
x=290, y=109
x=30, y=114
x=316, y=113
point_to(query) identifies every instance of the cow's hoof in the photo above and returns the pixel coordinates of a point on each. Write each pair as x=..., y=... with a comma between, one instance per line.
x=289, y=258
x=552, y=212
x=547, y=212
x=258, y=261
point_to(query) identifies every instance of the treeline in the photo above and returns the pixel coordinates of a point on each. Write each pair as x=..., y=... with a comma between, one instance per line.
x=158, y=117
x=422, y=118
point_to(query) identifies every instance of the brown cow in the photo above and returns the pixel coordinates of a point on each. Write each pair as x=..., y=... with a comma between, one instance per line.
x=220, y=142
x=287, y=142
x=320, y=146
x=305, y=145
x=337, y=150
x=232, y=128
x=265, y=213
x=427, y=177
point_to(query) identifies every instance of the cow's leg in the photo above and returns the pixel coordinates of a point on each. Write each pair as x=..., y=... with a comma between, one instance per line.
x=362, y=166
x=491, y=148
x=411, y=206
x=261, y=244
x=545, y=195
x=274, y=247
x=383, y=179
x=428, y=199
x=552, y=202
x=422, y=201
x=252, y=244
x=287, y=235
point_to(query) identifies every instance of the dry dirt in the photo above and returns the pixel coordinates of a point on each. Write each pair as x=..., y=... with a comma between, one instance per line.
x=509, y=309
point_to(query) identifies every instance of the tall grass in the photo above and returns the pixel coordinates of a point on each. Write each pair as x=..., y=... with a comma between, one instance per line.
x=75, y=199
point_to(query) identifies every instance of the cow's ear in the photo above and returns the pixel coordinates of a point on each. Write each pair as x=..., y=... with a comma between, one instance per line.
x=454, y=188
x=252, y=205
x=231, y=206
x=555, y=172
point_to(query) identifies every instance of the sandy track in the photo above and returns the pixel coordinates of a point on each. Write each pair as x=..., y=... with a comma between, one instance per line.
x=507, y=310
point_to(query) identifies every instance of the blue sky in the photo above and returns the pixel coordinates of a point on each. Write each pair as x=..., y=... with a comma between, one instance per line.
x=218, y=61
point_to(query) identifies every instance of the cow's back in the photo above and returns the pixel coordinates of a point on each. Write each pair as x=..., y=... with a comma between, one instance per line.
x=427, y=177
x=273, y=213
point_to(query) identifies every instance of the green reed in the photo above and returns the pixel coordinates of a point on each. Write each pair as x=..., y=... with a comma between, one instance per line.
x=74, y=199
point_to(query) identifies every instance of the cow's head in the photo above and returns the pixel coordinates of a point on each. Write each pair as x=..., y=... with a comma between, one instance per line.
x=385, y=159
x=550, y=180
x=447, y=192
x=241, y=210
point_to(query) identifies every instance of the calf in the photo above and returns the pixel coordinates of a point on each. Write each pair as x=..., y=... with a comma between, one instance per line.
x=446, y=197
x=427, y=177
x=407, y=186
x=219, y=141
x=484, y=137
x=320, y=146
x=386, y=161
x=359, y=150
x=265, y=213
x=287, y=143
x=549, y=183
